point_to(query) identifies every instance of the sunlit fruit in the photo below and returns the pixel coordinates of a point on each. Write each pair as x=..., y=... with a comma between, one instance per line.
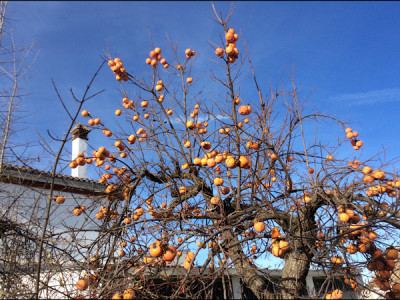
x=259, y=227
x=155, y=249
x=244, y=110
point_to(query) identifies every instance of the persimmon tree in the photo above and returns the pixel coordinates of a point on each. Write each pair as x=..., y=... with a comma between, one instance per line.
x=227, y=180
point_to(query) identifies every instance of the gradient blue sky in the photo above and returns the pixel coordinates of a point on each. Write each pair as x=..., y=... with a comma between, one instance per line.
x=346, y=53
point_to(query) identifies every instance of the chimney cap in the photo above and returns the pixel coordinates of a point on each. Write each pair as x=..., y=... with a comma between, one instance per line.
x=80, y=131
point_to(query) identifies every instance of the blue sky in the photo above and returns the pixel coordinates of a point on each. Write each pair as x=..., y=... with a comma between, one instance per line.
x=345, y=53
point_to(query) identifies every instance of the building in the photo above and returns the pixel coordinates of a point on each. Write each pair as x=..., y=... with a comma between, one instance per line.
x=236, y=289
x=24, y=198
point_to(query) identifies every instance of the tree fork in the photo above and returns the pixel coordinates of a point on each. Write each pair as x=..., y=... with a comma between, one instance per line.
x=244, y=268
x=298, y=259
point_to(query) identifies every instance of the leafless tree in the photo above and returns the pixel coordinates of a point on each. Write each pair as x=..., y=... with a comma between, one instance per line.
x=15, y=64
x=202, y=183
x=246, y=181
x=18, y=243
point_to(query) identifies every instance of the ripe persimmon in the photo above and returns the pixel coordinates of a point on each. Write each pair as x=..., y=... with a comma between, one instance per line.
x=352, y=248
x=391, y=253
x=230, y=162
x=190, y=125
x=219, y=52
x=60, y=199
x=82, y=284
x=73, y=164
x=244, y=110
x=337, y=260
x=225, y=190
x=155, y=249
x=344, y=217
x=170, y=253
x=259, y=227
x=218, y=181
x=211, y=162
x=244, y=162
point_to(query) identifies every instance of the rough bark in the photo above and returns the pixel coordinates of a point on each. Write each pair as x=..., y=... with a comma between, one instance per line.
x=245, y=270
x=294, y=274
x=298, y=259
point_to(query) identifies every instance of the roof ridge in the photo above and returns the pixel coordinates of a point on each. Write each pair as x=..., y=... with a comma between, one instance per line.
x=24, y=168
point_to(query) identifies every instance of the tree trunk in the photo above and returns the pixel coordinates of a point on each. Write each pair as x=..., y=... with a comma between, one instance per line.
x=245, y=270
x=294, y=274
x=298, y=259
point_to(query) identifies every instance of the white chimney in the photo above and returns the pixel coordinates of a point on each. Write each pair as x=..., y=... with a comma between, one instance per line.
x=79, y=145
